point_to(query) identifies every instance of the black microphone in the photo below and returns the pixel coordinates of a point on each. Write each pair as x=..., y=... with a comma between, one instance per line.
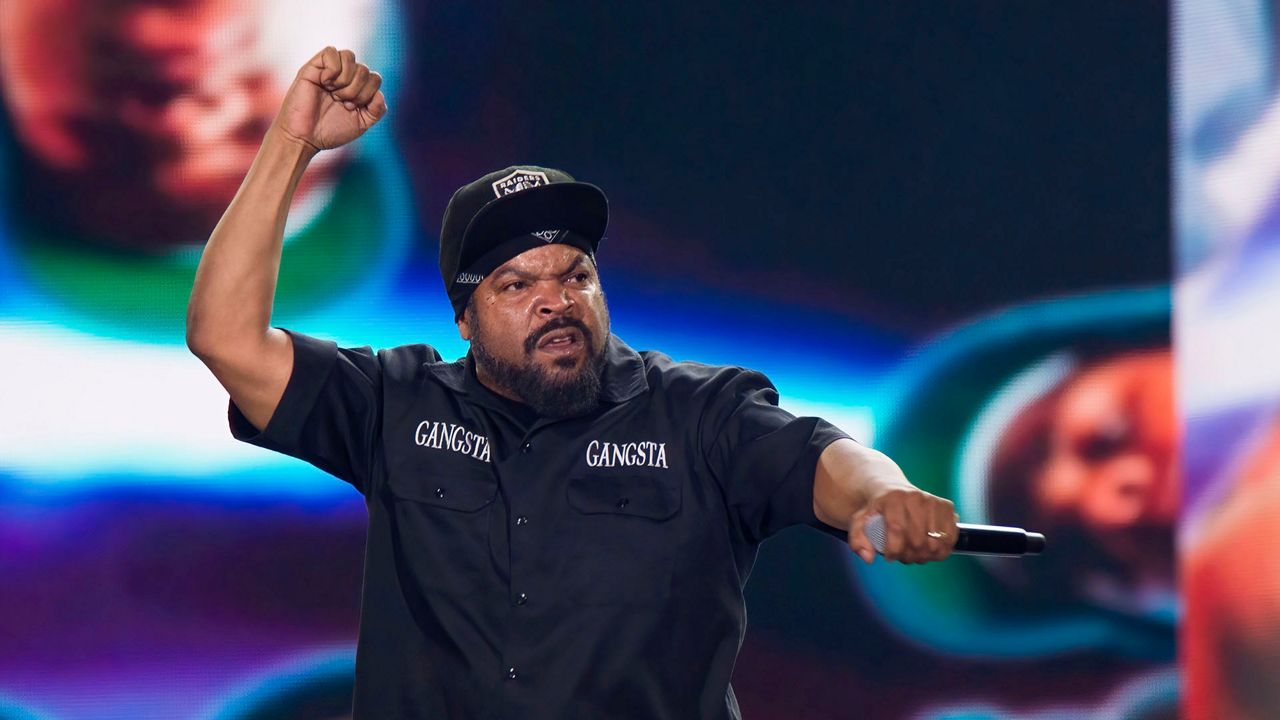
x=974, y=539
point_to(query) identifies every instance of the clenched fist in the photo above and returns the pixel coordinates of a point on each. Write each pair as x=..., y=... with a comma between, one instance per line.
x=333, y=100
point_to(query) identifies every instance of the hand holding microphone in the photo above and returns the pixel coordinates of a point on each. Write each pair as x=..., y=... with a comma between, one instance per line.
x=912, y=526
x=909, y=525
x=887, y=515
x=973, y=539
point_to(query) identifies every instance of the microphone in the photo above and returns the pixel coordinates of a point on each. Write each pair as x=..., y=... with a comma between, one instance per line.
x=974, y=539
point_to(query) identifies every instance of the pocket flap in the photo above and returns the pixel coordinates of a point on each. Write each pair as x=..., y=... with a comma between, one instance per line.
x=465, y=493
x=636, y=496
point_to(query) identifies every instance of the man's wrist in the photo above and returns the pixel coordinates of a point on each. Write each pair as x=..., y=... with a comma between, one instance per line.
x=279, y=138
x=849, y=477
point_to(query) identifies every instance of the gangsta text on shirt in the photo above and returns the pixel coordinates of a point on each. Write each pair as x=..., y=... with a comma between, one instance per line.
x=448, y=436
x=633, y=454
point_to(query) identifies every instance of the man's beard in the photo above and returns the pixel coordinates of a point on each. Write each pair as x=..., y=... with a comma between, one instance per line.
x=553, y=396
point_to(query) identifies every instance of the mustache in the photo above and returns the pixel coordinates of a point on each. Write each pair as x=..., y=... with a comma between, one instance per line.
x=531, y=342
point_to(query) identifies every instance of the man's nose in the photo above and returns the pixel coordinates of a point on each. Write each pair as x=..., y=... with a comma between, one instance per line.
x=554, y=300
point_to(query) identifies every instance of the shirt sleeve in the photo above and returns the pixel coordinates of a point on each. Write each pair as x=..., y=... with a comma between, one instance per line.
x=763, y=456
x=330, y=413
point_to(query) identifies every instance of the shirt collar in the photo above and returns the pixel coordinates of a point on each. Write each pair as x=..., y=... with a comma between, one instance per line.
x=623, y=378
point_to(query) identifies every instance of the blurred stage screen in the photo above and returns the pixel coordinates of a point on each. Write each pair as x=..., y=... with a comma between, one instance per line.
x=941, y=227
x=1226, y=152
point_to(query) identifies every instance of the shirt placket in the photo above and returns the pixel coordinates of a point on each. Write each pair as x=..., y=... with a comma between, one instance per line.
x=523, y=475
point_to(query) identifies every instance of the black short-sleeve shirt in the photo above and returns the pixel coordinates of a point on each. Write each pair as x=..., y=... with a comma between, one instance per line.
x=523, y=567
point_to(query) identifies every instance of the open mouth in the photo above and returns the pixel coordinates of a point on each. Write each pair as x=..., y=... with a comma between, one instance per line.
x=564, y=341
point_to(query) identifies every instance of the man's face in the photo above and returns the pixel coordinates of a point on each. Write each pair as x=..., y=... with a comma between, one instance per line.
x=178, y=81
x=156, y=104
x=1112, y=446
x=538, y=326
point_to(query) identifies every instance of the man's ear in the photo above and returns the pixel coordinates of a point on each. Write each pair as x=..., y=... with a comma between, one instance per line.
x=464, y=326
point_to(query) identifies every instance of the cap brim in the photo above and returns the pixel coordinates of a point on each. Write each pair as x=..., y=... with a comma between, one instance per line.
x=576, y=206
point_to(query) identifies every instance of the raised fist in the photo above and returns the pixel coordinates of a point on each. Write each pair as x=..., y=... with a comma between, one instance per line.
x=333, y=100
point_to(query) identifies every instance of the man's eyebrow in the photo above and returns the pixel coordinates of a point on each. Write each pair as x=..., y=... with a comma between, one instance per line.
x=577, y=263
x=508, y=270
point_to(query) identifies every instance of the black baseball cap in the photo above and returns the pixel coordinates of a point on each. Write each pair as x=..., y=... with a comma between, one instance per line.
x=497, y=217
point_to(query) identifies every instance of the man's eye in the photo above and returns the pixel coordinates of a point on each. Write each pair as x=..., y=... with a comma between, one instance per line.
x=517, y=285
x=581, y=277
x=1099, y=447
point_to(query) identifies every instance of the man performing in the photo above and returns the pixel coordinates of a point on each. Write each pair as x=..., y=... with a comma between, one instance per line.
x=559, y=526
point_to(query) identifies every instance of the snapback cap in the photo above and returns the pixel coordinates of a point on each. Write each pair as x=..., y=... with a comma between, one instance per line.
x=497, y=217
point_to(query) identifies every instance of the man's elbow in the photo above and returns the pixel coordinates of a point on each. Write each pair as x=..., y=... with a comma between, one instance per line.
x=199, y=340
x=209, y=342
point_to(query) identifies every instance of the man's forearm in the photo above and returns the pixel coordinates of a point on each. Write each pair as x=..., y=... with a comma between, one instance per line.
x=236, y=280
x=848, y=476
x=853, y=483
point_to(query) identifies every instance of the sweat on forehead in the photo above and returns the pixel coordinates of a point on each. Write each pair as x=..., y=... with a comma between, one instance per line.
x=549, y=260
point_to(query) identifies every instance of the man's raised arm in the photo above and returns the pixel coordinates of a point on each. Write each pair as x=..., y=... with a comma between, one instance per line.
x=332, y=101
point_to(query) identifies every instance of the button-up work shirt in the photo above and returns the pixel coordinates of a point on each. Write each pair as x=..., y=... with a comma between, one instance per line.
x=526, y=567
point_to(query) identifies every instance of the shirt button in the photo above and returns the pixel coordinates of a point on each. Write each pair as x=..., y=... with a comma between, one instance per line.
x=622, y=503
x=511, y=673
x=527, y=447
x=522, y=599
x=439, y=492
x=522, y=520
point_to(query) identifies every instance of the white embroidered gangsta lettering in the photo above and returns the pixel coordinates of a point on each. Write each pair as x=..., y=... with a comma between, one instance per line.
x=634, y=454
x=455, y=438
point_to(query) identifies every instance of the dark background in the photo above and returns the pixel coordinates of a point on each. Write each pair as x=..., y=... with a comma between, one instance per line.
x=916, y=162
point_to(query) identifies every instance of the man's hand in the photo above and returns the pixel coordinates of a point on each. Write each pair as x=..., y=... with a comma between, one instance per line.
x=852, y=483
x=333, y=100
x=918, y=527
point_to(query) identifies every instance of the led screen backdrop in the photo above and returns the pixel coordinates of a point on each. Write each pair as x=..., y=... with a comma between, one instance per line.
x=942, y=227
x=1227, y=155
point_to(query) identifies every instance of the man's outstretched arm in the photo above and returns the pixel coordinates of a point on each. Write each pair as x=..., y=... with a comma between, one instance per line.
x=853, y=483
x=332, y=101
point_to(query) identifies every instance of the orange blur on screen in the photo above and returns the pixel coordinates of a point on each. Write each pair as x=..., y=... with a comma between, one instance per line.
x=1092, y=462
x=1230, y=643
x=175, y=75
x=1112, y=444
x=143, y=117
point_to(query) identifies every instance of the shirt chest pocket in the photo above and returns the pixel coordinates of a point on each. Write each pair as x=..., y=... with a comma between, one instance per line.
x=442, y=518
x=622, y=535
